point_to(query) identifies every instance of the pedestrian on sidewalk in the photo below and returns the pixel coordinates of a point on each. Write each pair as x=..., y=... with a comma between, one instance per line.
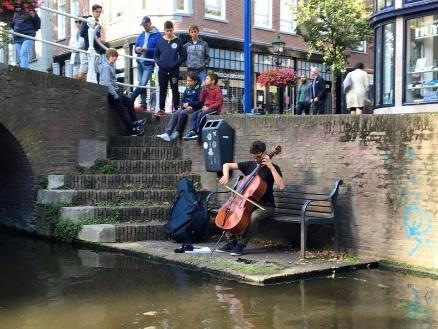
x=304, y=96
x=28, y=24
x=211, y=97
x=318, y=92
x=145, y=48
x=77, y=58
x=169, y=55
x=197, y=53
x=356, y=87
x=96, y=11
x=123, y=105
x=190, y=103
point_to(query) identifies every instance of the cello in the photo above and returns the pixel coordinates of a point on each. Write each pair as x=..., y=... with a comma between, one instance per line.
x=234, y=216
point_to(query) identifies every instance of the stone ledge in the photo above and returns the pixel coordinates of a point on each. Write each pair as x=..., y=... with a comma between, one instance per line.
x=98, y=233
x=55, y=196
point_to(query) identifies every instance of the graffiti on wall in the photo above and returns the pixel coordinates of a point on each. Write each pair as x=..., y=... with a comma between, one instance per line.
x=417, y=221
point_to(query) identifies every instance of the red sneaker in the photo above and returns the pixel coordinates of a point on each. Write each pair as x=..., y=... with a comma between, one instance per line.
x=140, y=108
x=159, y=114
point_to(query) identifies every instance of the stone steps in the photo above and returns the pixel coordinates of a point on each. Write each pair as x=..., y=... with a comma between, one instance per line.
x=137, y=214
x=125, y=181
x=151, y=166
x=168, y=152
x=145, y=141
x=127, y=232
x=125, y=197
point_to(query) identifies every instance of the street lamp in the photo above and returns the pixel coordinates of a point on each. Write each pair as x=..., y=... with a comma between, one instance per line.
x=278, y=48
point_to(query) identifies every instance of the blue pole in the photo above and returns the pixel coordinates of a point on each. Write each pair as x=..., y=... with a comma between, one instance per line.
x=247, y=89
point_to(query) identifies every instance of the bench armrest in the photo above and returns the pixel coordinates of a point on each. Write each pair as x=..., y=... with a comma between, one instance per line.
x=209, y=196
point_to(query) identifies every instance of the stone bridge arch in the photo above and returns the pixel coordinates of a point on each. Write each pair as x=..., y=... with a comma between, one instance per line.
x=42, y=119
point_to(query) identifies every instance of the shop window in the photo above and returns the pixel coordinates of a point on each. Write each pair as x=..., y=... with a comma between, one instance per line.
x=263, y=13
x=382, y=4
x=385, y=65
x=215, y=9
x=288, y=21
x=422, y=60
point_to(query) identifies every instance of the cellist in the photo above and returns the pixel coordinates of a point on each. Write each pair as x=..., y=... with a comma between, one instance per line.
x=270, y=173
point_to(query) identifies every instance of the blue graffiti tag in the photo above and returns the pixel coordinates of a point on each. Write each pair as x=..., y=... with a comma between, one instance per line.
x=417, y=223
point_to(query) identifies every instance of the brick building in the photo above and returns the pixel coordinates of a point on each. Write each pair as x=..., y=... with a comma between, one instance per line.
x=221, y=25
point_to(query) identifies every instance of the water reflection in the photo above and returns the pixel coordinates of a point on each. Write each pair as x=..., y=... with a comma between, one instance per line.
x=44, y=285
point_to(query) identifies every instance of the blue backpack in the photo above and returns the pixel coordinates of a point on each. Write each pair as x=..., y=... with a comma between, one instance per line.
x=187, y=217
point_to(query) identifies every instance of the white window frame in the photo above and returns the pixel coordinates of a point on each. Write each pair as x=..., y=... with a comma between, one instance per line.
x=74, y=10
x=222, y=11
x=187, y=7
x=288, y=15
x=268, y=24
x=61, y=26
x=361, y=47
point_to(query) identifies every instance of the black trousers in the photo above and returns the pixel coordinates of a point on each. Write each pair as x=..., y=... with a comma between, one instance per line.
x=164, y=77
x=124, y=107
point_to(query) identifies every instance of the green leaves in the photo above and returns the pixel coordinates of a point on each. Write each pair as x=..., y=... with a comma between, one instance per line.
x=330, y=27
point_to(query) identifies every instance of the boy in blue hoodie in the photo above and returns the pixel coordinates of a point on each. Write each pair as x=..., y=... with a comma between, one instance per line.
x=169, y=55
x=190, y=103
x=145, y=48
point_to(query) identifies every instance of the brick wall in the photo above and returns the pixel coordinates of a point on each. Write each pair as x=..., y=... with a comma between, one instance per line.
x=42, y=119
x=388, y=204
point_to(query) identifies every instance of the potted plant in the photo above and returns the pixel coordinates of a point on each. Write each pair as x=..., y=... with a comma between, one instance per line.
x=279, y=77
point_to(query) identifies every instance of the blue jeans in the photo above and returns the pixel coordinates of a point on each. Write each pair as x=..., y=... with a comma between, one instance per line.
x=202, y=75
x=197, y=118
x=22, y=52
x=144, y=73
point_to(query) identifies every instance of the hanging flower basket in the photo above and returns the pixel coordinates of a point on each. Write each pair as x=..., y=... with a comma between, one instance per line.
x=277, y=77
x=7, y=8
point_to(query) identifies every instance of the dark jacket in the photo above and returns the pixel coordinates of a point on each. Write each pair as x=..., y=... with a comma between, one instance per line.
x=84, y=34
x=25, y=24
x=191, y=96
x=169, y=54
x=320, y=90
x=154, y=36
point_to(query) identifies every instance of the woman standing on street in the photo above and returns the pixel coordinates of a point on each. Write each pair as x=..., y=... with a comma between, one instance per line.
x=356, y=88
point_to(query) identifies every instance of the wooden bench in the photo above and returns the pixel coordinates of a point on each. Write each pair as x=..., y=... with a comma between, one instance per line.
x=301, y=204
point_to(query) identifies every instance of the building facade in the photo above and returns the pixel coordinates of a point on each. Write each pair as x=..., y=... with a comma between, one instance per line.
x=406, y=56
x=221, y=25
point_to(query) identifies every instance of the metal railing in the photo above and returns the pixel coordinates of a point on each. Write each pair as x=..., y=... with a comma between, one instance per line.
x=91, y=52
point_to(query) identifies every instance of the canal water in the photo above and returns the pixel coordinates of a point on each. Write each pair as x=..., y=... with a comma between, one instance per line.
x=45, y=286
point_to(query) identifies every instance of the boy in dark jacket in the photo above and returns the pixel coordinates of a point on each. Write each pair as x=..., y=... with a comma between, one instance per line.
x=28, y=24
x=169, y=55
x=145, y=48
x=190, y=103
x=212, y=99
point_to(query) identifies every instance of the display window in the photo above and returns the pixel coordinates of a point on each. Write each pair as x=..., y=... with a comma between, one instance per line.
x=384, y=65
x=421, y=82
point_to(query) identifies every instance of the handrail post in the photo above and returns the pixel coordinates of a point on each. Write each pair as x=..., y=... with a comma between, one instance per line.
x=91, y=75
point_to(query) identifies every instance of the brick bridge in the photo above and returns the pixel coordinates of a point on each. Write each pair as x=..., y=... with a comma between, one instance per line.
x=388, y=203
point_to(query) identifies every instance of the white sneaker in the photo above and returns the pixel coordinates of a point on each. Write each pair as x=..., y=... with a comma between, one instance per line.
x=174, y=135
x=164, y=137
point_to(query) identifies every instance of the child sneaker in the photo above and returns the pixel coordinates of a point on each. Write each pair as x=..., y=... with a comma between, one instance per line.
x=191, y=135
x=164, y=137
x=174, y=135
